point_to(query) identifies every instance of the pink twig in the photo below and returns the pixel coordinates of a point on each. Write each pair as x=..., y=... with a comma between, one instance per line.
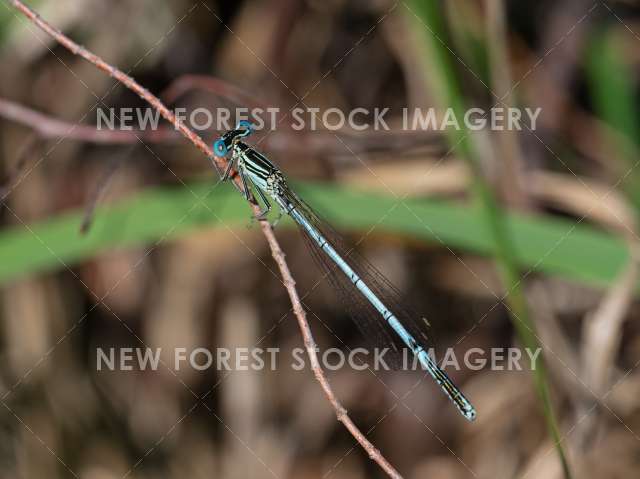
x=311, y=348
x=119, y=75
x=292, y=142
x=278, y=255
x=213, y=85
x=49, y=127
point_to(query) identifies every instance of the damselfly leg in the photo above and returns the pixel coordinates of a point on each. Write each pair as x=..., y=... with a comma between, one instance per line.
x=262, y=215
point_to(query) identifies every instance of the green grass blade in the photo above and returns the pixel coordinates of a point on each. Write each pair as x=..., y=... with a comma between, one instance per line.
x=430, y=28
x=552, y=246
x=615, y=102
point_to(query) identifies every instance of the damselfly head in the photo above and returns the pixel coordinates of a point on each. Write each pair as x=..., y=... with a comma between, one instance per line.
x=220, y=148
x=230, y=138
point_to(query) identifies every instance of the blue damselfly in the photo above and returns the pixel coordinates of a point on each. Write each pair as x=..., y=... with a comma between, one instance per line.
x=373, y=302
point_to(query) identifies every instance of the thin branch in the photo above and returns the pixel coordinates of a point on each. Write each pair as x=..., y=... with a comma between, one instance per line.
x=511, y=163
x=216, y=86
x=601, y=339
x=293, y=142
x=24, y=153
x=114, y=162
x=311, y=347
x=122, y=77
x=278, y=255
x=49, y=127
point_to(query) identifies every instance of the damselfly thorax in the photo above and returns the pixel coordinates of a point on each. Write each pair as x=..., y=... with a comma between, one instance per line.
x=260, y=170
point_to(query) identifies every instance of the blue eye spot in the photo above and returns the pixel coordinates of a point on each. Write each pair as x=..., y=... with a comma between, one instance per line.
x=219, y=148
x=245, y=125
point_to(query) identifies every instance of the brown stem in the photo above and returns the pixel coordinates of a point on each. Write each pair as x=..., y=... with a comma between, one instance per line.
x=310, y=346
x=218, y=87
x=294, y=143
x=119, y=75
x=278, y=255
x=49, y=127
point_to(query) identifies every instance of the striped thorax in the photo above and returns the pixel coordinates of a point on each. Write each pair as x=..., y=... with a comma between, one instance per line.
x=260, y=171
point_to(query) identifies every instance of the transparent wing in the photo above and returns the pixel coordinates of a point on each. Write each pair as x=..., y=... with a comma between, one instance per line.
x=366, y=317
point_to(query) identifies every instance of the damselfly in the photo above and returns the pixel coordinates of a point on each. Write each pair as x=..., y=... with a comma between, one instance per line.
x=373, y=302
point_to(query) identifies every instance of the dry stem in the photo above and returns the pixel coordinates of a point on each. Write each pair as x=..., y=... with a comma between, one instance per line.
x=278, y=255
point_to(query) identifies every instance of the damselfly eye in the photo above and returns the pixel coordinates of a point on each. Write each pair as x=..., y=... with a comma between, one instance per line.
x=219, y=148
x=245, y=125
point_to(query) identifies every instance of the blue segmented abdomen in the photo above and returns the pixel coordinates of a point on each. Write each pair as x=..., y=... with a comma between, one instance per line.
x=436, y=373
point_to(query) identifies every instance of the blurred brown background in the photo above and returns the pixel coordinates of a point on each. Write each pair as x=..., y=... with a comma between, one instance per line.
x=216, y=288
